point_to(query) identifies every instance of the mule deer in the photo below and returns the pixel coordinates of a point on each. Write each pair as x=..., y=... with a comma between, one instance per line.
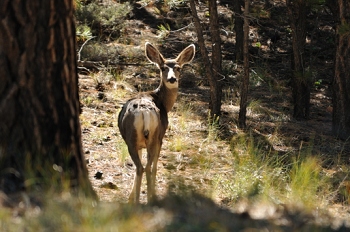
x=143, y=119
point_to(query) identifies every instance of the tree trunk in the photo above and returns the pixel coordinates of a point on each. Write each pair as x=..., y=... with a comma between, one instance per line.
x=245, y=81
x=210, y=72
x=238, y=17
x=216, y=56
x=341, y=82
x=40, y=137
x=300, y=81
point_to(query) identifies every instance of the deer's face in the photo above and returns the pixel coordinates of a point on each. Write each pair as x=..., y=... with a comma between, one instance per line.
x=169, y=68
x=170, y=73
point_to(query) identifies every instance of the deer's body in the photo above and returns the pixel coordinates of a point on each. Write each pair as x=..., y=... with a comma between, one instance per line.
x=144, y=119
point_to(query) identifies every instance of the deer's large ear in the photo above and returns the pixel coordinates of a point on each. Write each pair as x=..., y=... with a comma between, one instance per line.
x=187, y=55
x=153, y=54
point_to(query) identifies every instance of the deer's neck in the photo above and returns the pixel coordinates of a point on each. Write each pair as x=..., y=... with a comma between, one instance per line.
x=165, y=96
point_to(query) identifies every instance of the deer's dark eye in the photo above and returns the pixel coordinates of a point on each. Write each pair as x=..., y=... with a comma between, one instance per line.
x=163, y=68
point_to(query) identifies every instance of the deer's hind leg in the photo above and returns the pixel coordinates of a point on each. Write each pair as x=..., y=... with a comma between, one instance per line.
x=136, y=156
x=153, y=151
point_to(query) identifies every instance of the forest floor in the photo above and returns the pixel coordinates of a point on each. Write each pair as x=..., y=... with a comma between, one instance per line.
x=190, y=154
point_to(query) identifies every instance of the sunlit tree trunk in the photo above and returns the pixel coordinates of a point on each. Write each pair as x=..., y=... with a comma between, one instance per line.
x=245, y=81
x=40, y=137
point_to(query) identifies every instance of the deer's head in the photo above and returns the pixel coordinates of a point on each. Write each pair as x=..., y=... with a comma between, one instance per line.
x=170, y=68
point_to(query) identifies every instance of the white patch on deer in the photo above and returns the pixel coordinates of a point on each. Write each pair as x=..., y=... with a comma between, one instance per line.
x=151, y=122
x=146, y=123
x=139, y=125
x=171, y=75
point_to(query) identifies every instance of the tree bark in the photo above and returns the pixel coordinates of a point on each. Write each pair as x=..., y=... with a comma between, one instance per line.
x=211, y=72
x=238, y=17
x=245, y=82
x=341, y=82
x=40, y=136
x=300, y=81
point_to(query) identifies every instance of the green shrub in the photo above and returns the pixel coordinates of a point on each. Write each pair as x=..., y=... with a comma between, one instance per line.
x=106, y=21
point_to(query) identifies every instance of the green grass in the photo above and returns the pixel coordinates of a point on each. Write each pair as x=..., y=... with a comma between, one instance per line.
x=68, y=213
x=213, y=128
x=307, y=185
x=88, y=101
x=122, y=151
x=259, y=173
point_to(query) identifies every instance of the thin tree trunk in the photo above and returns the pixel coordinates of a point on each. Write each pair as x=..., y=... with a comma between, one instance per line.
x=238, y=17
x=40, y=137
x=300, y=81
x=245, y=82
x=215, y=101
x=341, y=82
x=216, y=56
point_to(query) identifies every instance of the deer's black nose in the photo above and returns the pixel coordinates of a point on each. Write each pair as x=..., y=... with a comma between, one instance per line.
x=172, y=80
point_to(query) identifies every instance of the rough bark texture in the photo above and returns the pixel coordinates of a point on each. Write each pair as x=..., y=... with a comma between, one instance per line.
x=40, y=137
x=300, y=81
x=245, y=82
x=212, y=72
x=341, y=82
x=238, y=17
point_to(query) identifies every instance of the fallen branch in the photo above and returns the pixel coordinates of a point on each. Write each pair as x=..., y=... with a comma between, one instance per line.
x=97, y=65
x=83, y=46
